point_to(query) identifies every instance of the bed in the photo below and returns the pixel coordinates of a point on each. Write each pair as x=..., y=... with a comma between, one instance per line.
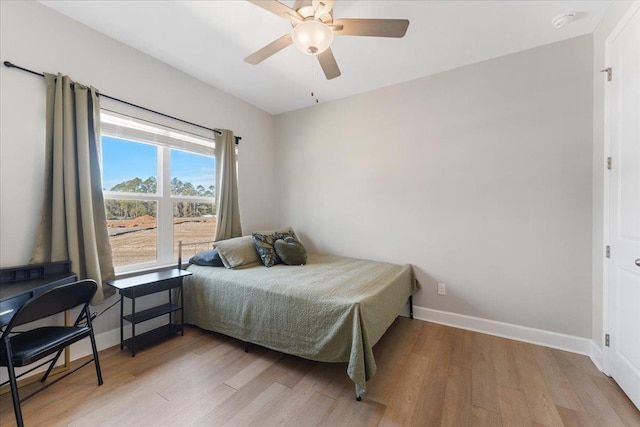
x=333, y=309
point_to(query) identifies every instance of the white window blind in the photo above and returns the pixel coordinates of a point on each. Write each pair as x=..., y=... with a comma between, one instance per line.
x=112, y=124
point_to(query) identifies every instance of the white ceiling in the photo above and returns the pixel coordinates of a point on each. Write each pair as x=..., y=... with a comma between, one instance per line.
x=210, y=39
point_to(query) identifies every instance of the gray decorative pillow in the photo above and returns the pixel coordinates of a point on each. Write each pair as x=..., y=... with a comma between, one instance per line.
x=264, y=241
x=208, y=258
x=264, y=246
x=291, y=251
x=238, y=252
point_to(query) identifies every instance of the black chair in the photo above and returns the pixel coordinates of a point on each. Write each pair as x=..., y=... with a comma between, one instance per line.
x=24, y=348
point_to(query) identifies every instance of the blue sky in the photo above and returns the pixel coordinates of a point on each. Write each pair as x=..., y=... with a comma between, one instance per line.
x=123, y=160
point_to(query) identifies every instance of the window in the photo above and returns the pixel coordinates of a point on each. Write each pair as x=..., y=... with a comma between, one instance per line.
x=159, y=188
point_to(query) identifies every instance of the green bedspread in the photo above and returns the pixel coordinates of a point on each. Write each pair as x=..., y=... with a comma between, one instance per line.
x=332, y=309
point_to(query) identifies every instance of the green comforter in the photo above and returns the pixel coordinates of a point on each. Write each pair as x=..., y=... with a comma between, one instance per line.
x=332, y=309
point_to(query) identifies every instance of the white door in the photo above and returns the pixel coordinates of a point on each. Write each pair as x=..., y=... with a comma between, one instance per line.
x=624, y=209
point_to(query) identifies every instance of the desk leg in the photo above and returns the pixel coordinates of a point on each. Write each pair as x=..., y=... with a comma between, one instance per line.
x=67, y=350
x=182, y=309
x=172, y=317
x=121, y=323
x=133, y=327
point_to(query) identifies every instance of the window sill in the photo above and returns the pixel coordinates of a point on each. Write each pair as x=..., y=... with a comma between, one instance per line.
x=145, y=270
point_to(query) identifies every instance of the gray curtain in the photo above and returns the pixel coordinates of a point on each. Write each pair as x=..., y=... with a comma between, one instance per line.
x=73, y=224
x=227, y=207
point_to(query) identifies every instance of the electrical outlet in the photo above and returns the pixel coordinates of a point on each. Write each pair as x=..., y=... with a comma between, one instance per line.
x=442, y=289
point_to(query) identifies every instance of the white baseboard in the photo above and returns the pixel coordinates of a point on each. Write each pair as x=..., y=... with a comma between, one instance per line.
x=104, y=340
x=110, y=338
x=596, y=355
x=505, y=330
x=82, y=348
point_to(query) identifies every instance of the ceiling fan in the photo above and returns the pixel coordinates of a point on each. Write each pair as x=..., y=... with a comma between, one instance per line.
x=314, y=28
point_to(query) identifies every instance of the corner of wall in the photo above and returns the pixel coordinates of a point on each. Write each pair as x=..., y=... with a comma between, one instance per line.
x=596, y=355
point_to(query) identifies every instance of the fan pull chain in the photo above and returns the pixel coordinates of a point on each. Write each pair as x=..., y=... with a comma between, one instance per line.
x=314, y=80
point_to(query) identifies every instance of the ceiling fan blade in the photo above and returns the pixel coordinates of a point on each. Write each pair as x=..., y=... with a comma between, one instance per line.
x=276, y=7
x=371, y=27
x=270, y=49
x=329, y=64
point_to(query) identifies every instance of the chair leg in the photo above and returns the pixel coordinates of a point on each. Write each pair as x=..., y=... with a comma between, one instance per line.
x=51, y=365
x=95, y=358
x=14, y=385
x=55, y=359
x=94, y=347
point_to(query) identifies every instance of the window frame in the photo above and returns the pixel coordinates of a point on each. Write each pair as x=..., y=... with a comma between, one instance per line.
x=165, y=244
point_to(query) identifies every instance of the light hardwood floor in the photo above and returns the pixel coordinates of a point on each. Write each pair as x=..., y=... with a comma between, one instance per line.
x=428, y=375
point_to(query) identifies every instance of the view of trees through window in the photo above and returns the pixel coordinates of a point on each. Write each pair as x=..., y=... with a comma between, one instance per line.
x=128, y=209
x=134, y=201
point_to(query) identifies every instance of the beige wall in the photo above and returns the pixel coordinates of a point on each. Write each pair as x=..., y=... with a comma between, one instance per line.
x=613, y=15
x=480, y=177
x=35, y=37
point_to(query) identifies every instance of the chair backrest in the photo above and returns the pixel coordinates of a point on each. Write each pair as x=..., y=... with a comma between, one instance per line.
x=56, y=300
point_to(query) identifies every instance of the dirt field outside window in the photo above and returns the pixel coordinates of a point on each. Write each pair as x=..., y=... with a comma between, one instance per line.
x=133, y=241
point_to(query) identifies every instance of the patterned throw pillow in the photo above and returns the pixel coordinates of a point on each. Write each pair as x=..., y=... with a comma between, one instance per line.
x=283, y=234
x=264, y=241
x=264, y=246
x=291, y=251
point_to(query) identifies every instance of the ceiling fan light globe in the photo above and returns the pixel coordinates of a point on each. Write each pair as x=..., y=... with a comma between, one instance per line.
x=312, y=37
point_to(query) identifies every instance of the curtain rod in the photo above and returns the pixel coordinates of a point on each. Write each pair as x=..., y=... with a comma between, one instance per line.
x=238, y=138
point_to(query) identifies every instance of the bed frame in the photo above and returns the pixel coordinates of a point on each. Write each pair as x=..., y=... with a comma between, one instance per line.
x=209, y=244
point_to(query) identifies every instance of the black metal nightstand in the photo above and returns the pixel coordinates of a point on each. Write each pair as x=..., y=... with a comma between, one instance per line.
x=147, y=284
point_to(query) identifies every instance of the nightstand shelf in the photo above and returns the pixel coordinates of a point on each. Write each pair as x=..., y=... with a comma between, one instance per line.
x=147, y=284
x=152, y=336
x=151, y=313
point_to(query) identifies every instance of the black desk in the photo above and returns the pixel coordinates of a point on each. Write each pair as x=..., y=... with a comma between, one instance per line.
x=18, y=284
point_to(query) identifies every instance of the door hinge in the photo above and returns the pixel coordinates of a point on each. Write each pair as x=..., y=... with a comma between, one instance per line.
x=609, y=163
x=609, y=71
x=606, y=340
x=608, y=251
